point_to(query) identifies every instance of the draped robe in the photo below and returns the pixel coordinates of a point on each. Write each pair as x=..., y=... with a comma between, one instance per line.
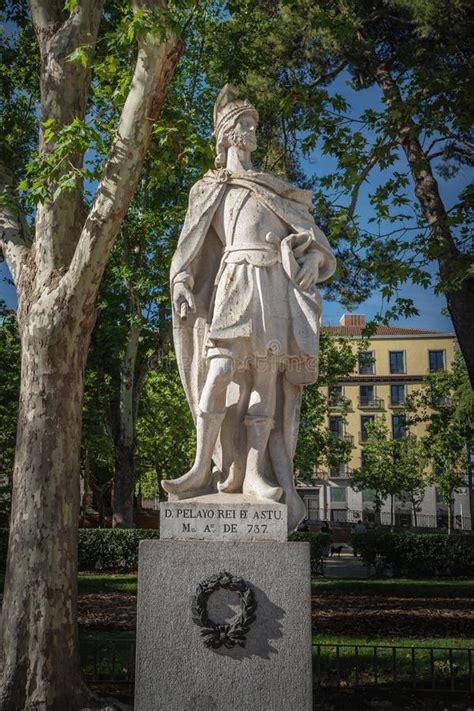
x=198, y=263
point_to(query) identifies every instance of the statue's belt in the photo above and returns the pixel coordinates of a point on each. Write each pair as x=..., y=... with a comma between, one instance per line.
x=267, y=254
x=259, y=255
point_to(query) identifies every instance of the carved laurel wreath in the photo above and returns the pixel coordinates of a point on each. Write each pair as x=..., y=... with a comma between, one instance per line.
x=235, y=632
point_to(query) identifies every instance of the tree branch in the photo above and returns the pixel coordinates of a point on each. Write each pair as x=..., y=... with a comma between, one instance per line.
x=154, y=70
x=15, y=238
x=65, y=88
x=373, y=160
x=328, y=76
x=449, y=151
x=47, y=15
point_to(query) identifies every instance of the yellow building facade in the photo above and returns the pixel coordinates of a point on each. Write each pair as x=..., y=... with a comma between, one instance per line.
x=393, y=365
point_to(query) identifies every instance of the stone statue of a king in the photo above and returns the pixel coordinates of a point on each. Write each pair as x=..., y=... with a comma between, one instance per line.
x=246, y=317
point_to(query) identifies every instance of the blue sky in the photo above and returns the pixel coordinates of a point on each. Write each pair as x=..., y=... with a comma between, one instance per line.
x=428, y=304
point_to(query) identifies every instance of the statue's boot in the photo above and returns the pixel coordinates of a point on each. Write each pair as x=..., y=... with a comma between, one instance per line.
x=234, y=481
x=283, y=468
x=199, y=476
x=258, y=431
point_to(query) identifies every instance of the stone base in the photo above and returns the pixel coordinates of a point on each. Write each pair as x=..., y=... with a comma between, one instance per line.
x=175, y=671
x=224, y=517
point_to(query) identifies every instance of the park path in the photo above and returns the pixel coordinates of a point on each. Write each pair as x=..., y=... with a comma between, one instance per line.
x=347, y=566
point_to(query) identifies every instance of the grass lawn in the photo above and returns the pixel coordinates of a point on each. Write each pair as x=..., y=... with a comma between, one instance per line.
x=110, y=582
x=395, y=587
x=442, y=643
x=101, y=582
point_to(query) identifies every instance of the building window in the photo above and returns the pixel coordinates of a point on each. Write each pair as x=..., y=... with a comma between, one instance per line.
x=397, y=395
x=366, y=395
x=335, y=392
x=340, y=470
x=336, y=426
x=338, y=494
x=366, y=363
x=364, y=419
x=438, y=400
x=312, y=507
x=368, y=496
x=436, y=360
x=336, y=395
x=399, y=427
x=397, y=361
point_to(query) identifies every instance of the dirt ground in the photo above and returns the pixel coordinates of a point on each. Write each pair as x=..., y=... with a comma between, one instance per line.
x=107, y=611
x=333, y=614
x=373, y=615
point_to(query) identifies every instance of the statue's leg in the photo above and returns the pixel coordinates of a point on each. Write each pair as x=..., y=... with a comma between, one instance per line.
x=259, y=422
x=208, y=424
x=281, y=459
x=234, y=440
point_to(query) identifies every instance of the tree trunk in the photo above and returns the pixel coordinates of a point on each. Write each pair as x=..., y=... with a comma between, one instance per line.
x=39, y=625
x=471, y=495
x=100, y=504
x=85, y=491
x=415, y=513
x=57, y=281
x=377, y=516
x=125, y=430
x=391, y=512
x=459, y=292
x=124, y=486
x=450, y=517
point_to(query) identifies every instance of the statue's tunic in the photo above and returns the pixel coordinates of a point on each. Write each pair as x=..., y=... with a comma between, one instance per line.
x=251, y=317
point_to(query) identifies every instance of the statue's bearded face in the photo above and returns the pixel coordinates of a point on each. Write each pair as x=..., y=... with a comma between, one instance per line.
x=243, y=135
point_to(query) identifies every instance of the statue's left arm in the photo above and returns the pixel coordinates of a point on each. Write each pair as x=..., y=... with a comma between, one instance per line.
x=308, y=275
x=313, y=255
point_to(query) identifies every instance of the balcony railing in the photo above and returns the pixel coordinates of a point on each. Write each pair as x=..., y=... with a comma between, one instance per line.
x=342, y=436
x=340, y=472
x=400, y=433
x=339, y=403
x=397, y=402
x=363, y=437
x=439, y=401
x=371, y=403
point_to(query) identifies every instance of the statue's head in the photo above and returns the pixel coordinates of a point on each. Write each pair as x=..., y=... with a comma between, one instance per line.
x=235, y=124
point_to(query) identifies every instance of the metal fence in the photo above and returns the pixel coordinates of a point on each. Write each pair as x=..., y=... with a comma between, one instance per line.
x=389, y=666
x=109, y=659
x=403, y=520
x=335, y=666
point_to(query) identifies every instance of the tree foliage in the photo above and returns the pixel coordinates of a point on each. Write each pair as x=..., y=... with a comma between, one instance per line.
x=316, y=447
x=445, y=405
x=382, y=89
x=377, y=471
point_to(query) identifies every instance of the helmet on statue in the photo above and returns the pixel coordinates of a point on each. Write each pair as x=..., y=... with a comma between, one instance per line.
x=227, y=110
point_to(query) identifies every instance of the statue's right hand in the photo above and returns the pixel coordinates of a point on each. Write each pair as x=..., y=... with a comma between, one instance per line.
x=183, y=299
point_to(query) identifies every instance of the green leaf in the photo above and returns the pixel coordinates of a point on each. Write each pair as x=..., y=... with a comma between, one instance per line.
x=69, y=5
x=80, y=56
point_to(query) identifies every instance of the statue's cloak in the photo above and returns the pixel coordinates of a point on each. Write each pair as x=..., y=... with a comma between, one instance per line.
x=196, y=261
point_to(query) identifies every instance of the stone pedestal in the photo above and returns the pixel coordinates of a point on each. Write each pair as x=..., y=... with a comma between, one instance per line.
x=176, y=671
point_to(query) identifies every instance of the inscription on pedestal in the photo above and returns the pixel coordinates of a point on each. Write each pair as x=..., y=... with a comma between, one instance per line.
x=223, y=517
